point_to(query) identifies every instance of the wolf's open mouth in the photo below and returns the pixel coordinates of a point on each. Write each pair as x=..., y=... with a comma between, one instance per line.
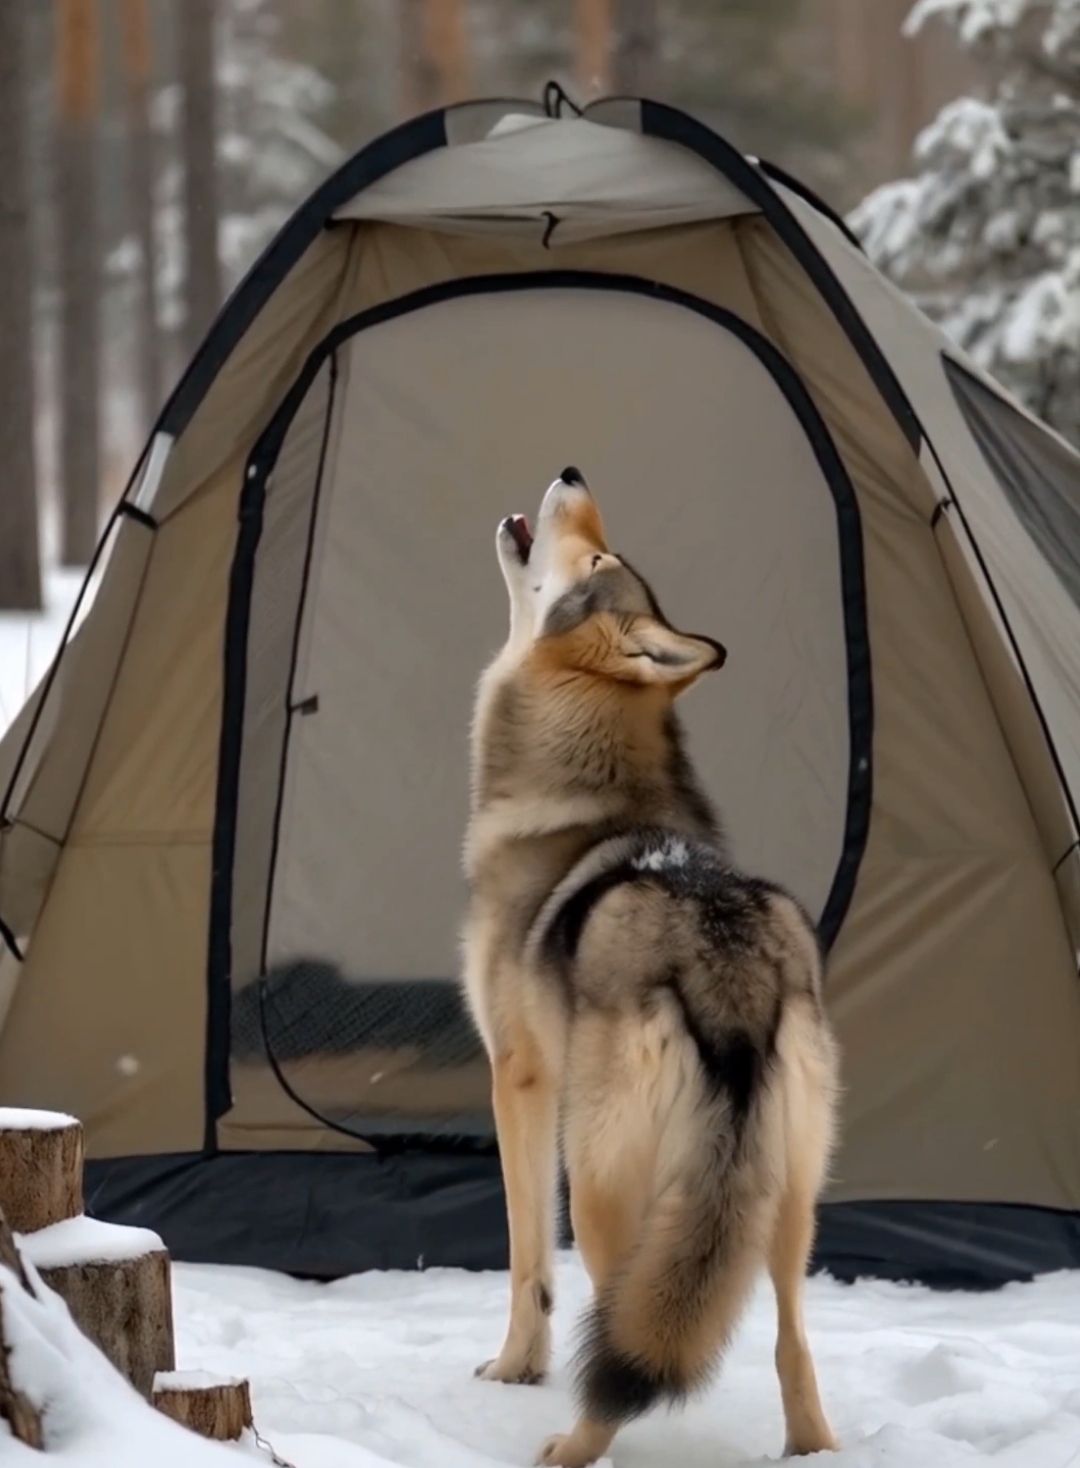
x=521, y=535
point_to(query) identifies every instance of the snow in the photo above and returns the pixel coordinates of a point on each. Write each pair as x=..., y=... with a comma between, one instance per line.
x=18, y=1119
x=985, y=236
x=191, y=1381
x=92, y=1417
x=672, y=853
x=85, y=1240
x=376, y=1371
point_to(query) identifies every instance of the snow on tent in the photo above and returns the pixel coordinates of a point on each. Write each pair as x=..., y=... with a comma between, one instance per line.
x=229, y=863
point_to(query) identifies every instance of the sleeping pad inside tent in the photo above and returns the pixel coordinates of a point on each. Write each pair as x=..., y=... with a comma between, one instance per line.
x=230, y=875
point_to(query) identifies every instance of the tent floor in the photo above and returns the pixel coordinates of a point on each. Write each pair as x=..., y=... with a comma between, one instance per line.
x=330, y=1214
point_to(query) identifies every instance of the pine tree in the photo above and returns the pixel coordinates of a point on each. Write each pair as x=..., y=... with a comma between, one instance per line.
x=986, y=234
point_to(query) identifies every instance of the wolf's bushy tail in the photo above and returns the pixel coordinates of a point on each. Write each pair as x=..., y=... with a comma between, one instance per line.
x=658, y=1328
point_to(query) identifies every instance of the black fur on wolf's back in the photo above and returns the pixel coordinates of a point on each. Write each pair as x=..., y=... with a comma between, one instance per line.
x=728, y=911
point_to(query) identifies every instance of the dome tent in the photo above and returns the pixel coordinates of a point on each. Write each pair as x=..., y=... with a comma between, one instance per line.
x=229, y=850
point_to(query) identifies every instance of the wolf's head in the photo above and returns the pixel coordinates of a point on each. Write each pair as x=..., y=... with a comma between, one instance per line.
x=579, y=608
x=574, y=721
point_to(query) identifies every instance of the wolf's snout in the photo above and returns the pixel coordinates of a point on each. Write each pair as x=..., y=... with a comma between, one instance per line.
x=574, y=478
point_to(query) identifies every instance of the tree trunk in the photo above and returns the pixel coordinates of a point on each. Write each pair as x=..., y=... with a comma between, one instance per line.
x=416, y=67
x=16, y=1409
x=636, y=52
x=80, y=277
x=41, y=1169
x=125, y=1307
x=219, y=1409
x=433, y=60
x=594, y=47
x=202, y=272
x=140, y=161
x=20, y=568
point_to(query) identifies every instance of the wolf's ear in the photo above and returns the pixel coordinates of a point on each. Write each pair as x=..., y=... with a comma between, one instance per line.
x=652, y=652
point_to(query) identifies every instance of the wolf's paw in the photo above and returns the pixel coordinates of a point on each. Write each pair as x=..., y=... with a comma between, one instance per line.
x=516, y=1373
x=574, y=1449
x=820, y=1440
x=559, y=1450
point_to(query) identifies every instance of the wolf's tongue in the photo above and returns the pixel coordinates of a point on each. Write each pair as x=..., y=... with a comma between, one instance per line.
x=519, y=529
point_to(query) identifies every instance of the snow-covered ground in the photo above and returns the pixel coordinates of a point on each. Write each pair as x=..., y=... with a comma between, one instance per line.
x=377, y=1370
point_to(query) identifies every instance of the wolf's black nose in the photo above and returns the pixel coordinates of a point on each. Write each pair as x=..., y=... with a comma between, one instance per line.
x=573, y=476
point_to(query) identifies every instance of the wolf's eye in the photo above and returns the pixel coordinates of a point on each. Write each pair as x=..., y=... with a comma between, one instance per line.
x=595, y=562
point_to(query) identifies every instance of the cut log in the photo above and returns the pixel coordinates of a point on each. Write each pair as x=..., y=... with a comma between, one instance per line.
x=117, y=1284
x=213, y=1406
x=16, y=1408
x=41, y=1168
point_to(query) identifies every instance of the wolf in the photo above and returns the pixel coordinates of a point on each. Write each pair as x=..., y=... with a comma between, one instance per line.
x=650, y=1012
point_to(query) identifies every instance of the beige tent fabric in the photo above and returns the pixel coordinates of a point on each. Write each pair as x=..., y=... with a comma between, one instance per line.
x=954, y=860
x=259, y=370
x=122, y=943
x=1044, y=619
x=275, y=598
x=54, y=767
x=597, y=181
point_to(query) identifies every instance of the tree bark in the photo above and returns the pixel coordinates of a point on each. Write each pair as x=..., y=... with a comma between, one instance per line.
x=636, y=50
x=20, y=566
x=125, y=1307
x=433, y=57
x=219, y=1409
x=80, y=277
x=594, y=47
x=202, y=274
x=41, y=1172
x=140, y=161
x=16, y=1409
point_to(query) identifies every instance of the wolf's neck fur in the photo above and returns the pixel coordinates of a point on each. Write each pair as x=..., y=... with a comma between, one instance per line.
x=555, y=770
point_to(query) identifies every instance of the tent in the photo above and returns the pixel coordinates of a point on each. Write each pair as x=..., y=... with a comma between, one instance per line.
x=229, y=855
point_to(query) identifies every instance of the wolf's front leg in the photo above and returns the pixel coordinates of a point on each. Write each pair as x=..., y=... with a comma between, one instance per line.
x=525, y=1097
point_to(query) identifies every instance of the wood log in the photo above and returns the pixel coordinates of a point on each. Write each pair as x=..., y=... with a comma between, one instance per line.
x=16, y=1408
x=125, y=1307
x=41, y=1168
x=213, y=1406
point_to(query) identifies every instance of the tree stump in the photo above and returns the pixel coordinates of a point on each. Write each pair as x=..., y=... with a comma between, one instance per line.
x=16, y=1408
x=218, y=1407
x=121, y=1299
x=41, y=1168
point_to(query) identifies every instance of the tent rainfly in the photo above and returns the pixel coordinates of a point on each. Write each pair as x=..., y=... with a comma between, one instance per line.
x=230, y=878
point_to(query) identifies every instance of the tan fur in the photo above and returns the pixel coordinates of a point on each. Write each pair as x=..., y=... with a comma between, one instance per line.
x=573, y=754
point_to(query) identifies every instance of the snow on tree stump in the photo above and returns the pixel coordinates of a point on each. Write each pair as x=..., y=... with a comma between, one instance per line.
x=41, y=1168
x=16, y=1408
x=218, y=1407
x=115, y=1280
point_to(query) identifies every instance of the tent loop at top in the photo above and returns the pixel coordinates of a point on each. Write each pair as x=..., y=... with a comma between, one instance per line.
x=556, y=98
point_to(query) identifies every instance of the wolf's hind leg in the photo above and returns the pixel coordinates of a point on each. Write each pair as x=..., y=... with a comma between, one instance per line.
x=789, y=1252
x=606, y=1223
x=525, y=1100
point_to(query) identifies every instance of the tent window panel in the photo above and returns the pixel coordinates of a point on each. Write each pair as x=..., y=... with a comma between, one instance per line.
x=452, y=414
x=1037, y=473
